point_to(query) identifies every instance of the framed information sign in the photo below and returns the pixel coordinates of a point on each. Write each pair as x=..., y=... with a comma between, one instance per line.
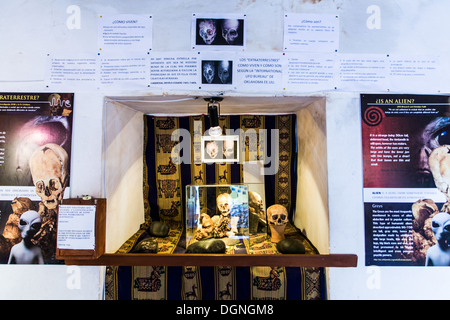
x=81, y=228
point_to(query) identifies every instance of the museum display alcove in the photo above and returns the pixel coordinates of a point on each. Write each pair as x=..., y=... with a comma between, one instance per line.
x=129, y=124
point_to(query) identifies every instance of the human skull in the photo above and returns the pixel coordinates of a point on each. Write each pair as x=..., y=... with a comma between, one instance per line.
x=212, y=149
x=29, y=224
x=49, y=170
x=209, y=70
x=228, y=149
x=207, y=30
x=277, y=215
x=230, y=30
x=255, y=202
x=224, y=204
x=224, y=71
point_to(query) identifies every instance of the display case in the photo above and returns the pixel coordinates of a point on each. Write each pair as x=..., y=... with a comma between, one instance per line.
x=217, y=211
x=148, y=184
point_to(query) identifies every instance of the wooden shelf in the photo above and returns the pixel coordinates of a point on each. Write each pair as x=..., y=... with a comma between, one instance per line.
x=287, y=260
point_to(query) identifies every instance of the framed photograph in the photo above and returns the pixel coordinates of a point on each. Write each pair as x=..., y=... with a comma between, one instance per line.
x=220, y=149
x=218, y=32
x=217, y=72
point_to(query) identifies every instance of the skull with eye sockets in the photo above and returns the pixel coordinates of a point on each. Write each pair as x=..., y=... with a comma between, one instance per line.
x=230, y=30
x=207, y=30
x=224, y=71
x=49, y=166
x=209, y=71
x=277, y=216
x=224, y=204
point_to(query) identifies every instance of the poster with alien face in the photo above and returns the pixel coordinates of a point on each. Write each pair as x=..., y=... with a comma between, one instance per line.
x=405, y=144
x=218, y=32
x=35, y=149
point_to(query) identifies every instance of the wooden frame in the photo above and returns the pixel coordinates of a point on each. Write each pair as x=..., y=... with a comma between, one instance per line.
x=286, y=260
x=100, y=230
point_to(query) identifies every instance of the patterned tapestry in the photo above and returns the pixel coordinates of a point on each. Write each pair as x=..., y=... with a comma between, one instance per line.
x=165, y=180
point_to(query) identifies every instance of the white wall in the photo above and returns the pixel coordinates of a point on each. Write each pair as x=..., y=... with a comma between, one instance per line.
x=31, y=29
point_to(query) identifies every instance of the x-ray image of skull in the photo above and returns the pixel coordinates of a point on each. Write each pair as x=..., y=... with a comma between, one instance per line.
x=207, y=30
x=224, y=71
x=230, y=30
x=209, y=71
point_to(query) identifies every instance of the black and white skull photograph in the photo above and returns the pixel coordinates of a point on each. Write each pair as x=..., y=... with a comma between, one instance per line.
x=220, y=149
x=208, y=71
x=217, y=72
x=219, y=32
x=212, y=150
x=230, y=148
x=225, y=71
x=231, y=31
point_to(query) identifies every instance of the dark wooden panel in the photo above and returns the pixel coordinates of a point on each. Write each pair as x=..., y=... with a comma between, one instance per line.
x=287, y=260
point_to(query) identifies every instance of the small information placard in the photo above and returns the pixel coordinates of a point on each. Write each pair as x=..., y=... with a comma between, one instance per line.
x=309, y=32
x=76, y=227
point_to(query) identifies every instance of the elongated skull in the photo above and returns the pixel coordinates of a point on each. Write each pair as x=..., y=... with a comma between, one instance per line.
x=277, y=215
x=255, y=202
x=224, y=71
x=49, y=170
x=29, y=224
x=209, y=71
x=224, y=204
x=228, y=149
x=207, y=30
x=230, y=30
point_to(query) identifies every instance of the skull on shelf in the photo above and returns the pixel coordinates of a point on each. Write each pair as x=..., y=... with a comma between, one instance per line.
x=255, y=203
x=207, y=30
x=222, y=222
x=230, y=30
x=277, y=216
x=49, y=170
x=224, y=204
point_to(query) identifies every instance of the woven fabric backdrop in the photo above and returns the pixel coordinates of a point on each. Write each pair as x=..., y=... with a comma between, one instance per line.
x=164, y=192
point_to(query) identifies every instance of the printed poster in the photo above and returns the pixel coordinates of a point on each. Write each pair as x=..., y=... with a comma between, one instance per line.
x=35, y=148
x=406, y=142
